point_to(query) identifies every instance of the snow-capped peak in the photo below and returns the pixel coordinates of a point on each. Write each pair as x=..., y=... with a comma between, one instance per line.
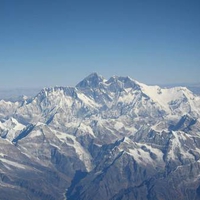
x=123, y=82
x=116, y=131
x=93, y=80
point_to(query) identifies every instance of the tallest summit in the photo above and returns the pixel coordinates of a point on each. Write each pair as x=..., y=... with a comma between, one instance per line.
x=91, y=81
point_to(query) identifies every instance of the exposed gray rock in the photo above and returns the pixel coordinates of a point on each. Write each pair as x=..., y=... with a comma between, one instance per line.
x=103, y=139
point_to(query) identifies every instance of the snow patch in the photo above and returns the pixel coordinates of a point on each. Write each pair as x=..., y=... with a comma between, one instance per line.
x=14, y=164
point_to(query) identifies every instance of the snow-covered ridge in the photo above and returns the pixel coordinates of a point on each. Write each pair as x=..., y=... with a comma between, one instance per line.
x=118, y=100
x=98, y=124
x=116, y=96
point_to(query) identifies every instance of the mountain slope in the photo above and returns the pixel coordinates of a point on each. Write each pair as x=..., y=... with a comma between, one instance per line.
x=108, y=139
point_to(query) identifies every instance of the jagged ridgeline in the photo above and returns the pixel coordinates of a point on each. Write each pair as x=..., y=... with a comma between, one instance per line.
x=114, y=139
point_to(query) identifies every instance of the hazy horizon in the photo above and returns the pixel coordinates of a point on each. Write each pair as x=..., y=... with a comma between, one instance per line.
x=48, y=43
x=36, y=87
x=15, y=93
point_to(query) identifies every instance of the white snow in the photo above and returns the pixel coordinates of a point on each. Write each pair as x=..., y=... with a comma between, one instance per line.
x=2, y=155
x=118, y=125
x=35, y=133
x=12, y=127
x=126, y=98
x=176, y=144
x=83, y=155
x=143, y=157
x=15, y=164
x=156, y=151
x=40, y=124
x=127, y=140
x=87, y=101
x=165, y=96
x=86, y=129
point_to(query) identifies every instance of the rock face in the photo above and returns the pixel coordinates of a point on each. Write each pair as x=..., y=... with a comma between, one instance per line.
x=103, y=139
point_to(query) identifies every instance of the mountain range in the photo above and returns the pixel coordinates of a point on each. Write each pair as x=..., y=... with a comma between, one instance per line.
x=115, y=139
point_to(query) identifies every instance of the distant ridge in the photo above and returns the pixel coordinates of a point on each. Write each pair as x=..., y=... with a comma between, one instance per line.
x=102, y=139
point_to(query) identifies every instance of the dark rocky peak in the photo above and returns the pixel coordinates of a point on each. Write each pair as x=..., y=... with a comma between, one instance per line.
x=184, y=123
x=114, y=84
x=128, y=82
x=120, y=83
x=91, y=81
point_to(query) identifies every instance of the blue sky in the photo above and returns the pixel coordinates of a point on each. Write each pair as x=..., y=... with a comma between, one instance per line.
x=47, y=42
